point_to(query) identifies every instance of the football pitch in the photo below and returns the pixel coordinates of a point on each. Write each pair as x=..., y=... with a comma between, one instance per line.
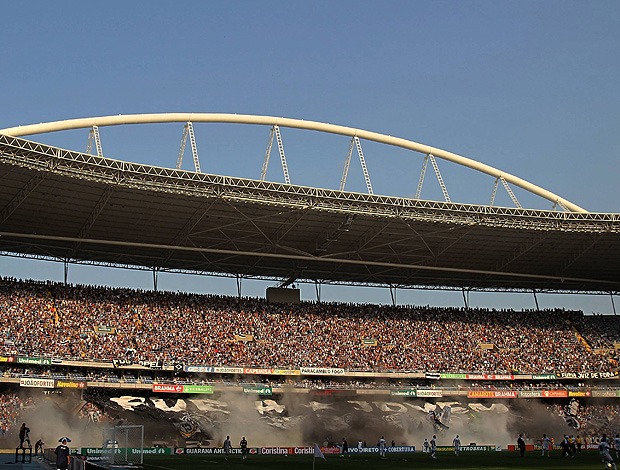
x=589, y=460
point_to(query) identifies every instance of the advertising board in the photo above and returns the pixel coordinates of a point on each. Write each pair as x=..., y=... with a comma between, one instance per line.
x=38, y=383
x=70, y=384
x=489, y=377
x=321, y=371
x=491, y=394
x=258, y=390
x=555, y=393
x=197, y=389
x=169, y=388
x=429, y=393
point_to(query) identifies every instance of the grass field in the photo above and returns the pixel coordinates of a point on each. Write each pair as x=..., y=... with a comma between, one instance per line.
x=589, y=460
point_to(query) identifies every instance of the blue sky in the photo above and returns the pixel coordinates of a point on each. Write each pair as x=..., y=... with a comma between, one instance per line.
x=528, y=87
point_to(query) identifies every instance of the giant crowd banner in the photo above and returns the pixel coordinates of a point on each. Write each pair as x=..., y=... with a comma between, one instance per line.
x=586, y=375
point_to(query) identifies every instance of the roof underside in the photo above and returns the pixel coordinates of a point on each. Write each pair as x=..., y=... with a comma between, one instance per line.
x=71, y=206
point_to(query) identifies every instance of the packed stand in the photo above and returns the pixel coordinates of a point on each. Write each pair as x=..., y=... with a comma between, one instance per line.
x=11, y=407
x=591, y=420
x=51, y=319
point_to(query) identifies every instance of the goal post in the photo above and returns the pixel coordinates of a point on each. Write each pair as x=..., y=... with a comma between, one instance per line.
x=123, y=445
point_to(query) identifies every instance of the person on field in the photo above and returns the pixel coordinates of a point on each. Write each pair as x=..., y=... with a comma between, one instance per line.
x=545, y=442
x=565, y=445
x=244, y=447
x=24, y=436
x=62, y=455
x=38, y=446
x=227, y=447
x=603, y=450
x=456, y=442
x=345, y=448
x=617, y=444
x=382, y=446
x=521, y=445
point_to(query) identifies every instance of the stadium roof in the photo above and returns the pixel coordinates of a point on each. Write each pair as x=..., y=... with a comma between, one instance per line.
x=65, y=205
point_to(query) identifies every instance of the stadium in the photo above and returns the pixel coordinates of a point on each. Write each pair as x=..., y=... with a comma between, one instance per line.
x=285, y=373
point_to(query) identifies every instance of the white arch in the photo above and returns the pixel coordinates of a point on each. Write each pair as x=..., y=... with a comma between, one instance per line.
x=122, y=119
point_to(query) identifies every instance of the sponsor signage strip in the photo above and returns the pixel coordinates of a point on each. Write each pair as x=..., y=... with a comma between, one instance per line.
x=489, y=377
x=491, y=394
x=254, y=371
x=467, y=448
x=454, y=376
x=544, y=377
x=375, y=450
x=321, y=371
x=38, y=383
x=258, y=390
x=430, y=393
x=197, y=389
x=96, y=451
x=606, y=393
x=40, y=361
x=70, y=384
x=169, y=388
x=554, y=393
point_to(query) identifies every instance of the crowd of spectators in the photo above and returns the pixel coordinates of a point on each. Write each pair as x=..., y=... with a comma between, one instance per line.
x=11, y=407
x=593, y=419
x=93, y=414
x=54, y=320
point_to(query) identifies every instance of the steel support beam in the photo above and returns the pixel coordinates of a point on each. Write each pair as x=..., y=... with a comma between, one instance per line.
x=21, y=196
x=292, y=123
x=317, y=287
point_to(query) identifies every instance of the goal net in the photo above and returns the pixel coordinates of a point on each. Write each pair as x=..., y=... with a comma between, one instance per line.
x=123, y=445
